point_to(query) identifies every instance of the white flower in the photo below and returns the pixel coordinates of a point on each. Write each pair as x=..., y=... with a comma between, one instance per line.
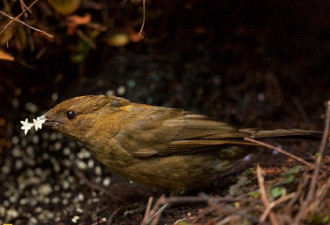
x=26, y=126
x=38, y=122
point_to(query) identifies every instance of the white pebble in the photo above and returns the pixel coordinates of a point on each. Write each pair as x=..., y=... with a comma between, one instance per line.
x=65, y=201
x=33, y=220
x=12, y=213
x=31, y=107
x=98, y=171
x=23, y=201
x=2, y=211
x=81, y=197
x=81, y=165
x=18, y=164
x=54, y=97
x=106, y=181
x=84, y=154
x=98, y=180
x=79, y=210
x=30, y=151
x=38, y=209
x=16, y=152
x=75, y=219
x=45, y=189
x=5, y=169
x=57, y=146
x=55, y=200
x=13, y=198
x=65, y=185
x=6, y=203
x=90, y=163
x=110, y=93
x=66, y=151
x=35, y=139
x=121, y=90
x=15, y=140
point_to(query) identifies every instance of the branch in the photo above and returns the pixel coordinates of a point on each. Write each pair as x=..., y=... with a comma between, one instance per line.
x=16, y=19
x=279, y=150
x=302, y=212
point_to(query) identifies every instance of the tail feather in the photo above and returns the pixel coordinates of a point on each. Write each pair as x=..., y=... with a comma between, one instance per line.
x=282, y=133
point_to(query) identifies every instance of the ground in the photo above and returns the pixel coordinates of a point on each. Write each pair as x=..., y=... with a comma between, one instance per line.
x=251, y=64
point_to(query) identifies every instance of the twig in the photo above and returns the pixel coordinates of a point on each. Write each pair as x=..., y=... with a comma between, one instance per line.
x=147, y=213
x=16, y=19
x=279, y=150
x=152, y=216
x=112, y=216
x=264, y=196
x=319, y=156
x=144, y=19
x=300, y=188
x=86, y=38
x=275, y=203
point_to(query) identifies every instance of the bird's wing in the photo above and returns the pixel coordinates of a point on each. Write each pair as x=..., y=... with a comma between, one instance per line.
x=164, y=131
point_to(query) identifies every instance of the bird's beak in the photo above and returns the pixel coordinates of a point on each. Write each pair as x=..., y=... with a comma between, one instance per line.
x=50, y=120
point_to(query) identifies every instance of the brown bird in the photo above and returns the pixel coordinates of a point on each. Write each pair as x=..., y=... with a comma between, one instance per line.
x=155, y=146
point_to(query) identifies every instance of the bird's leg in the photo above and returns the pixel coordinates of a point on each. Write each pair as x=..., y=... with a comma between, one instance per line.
x=158, y=212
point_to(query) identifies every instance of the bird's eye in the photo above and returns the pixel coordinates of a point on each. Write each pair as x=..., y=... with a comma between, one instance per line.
x=70, y=115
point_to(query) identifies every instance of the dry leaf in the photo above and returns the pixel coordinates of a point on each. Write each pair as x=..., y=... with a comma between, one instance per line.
x=6, y=56
x=74, y=21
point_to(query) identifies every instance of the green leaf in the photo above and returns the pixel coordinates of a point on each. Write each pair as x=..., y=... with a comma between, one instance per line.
x=277, y=192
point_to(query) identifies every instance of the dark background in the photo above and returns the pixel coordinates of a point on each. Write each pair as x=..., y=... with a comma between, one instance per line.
x=261, y=64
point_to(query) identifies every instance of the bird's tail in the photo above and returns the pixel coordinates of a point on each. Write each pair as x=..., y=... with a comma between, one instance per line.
x=282, y=133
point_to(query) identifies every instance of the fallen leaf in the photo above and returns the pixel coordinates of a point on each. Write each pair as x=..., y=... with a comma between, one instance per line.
x=6, y=56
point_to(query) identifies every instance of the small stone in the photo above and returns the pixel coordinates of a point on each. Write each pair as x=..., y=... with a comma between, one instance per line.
x=81, y=197
x=55, y=200
x=15, y=140
x=84, y=154
x=54, y=97
x=121, y=90
x=12, y=213
x=81, y=165
x=75, y=219
x=33, y=220
x=18, y=164
x=16, y=152
x=90, y=163
x=79, y=210
x=45, y=189
x=31, y=107
x=65, y=185
x=110, y=93
x=23, y=201
x=66, y=151
x=65, y=201
x=98, y=171
x=38, y=209
x=35, y=139
x=106, y=181
x=57, y=146
x=5, y=169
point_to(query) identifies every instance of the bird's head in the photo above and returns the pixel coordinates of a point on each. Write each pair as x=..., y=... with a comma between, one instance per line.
x=77, y=116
